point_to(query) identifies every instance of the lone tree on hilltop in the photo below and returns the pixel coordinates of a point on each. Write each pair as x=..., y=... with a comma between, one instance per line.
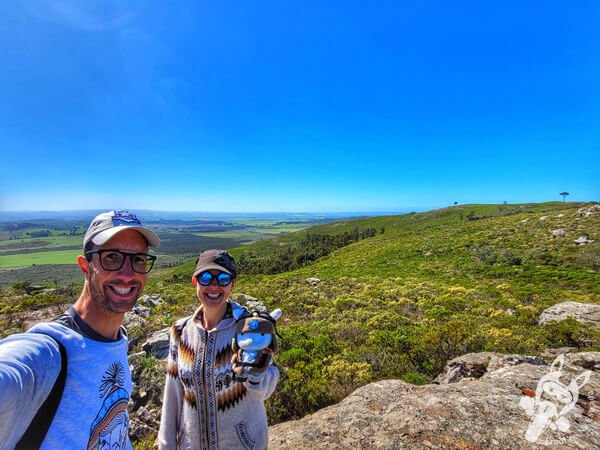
x=564, y=195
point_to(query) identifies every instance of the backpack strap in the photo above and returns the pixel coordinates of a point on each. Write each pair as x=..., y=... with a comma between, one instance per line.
x=39, y=426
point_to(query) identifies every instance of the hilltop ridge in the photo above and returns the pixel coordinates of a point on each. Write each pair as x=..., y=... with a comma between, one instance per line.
x=424, y=289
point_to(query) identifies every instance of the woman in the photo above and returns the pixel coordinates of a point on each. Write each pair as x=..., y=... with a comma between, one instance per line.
x=203, y=406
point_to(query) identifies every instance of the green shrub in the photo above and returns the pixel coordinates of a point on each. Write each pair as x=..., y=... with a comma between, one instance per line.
x=415, y=378
x=571, y=333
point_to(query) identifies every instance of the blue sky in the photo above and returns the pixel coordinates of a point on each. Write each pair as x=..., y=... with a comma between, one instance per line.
x=297, y=106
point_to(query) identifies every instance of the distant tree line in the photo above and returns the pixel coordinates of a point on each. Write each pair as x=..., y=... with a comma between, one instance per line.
x=301, y=253
x=38, y=234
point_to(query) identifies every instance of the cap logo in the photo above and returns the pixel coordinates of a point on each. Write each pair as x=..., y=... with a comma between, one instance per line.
x=121, y=217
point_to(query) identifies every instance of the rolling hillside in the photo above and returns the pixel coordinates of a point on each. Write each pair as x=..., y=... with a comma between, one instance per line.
x=425, y=288
x=393, y=297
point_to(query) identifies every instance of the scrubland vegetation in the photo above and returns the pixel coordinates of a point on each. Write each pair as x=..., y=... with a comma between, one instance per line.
x=422, y=289
x=411, y=292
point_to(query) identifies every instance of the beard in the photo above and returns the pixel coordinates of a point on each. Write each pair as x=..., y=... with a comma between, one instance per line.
x=103, y=298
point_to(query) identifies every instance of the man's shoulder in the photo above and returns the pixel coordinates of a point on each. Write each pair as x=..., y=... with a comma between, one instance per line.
x=29, y=339
x=56, y=331
x=35, y=351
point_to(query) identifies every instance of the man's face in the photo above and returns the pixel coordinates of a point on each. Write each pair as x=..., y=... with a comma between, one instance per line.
x=117, y=291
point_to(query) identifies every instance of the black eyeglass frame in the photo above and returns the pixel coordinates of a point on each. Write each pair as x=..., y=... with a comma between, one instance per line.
x=149, y=259
x=215, y=277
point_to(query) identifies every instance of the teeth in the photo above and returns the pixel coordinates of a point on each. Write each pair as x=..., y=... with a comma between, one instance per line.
x=213, y=296
x=122, y=291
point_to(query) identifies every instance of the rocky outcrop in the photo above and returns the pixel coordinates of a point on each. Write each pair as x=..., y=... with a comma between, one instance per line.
x=475, y=365
x=251, y=303
x=477, y=410
x=145, y=423
x=148, y=377
x=150, y=300
x=23, y=320
x=157, y=344
x=141, y=311
x=582, y=312
x=587, y=212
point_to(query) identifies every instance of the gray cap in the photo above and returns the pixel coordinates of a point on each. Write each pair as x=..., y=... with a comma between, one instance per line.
x=215, y=259
x=106, y=225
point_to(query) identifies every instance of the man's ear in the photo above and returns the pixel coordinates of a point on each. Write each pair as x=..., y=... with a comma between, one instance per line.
x=83, y=263
x=194, y=281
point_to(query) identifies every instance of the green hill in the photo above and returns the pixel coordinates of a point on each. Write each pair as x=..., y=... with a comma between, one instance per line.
x=423, y=289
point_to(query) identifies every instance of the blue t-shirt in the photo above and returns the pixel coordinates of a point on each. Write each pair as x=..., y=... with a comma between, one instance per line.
x=93, y=409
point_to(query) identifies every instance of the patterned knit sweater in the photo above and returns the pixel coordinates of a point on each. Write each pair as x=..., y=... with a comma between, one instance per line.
x=203, y=407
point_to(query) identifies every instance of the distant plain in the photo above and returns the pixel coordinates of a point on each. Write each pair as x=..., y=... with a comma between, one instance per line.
x=45, y=250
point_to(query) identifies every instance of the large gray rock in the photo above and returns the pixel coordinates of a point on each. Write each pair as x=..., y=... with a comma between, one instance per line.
x=471, y=365
x=141, y=310
x=157, y=344
x=136, y=317
x=131, y=319
x=471, y=414
x=582, y=312
x=151, y=300
x=475, y=365
x=251, y=303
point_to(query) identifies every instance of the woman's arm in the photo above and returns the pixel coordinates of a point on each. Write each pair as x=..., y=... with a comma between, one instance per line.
x=265, y=386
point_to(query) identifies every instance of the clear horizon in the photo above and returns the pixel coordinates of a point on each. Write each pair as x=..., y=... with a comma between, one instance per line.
x=144, y=214
x=319, y=107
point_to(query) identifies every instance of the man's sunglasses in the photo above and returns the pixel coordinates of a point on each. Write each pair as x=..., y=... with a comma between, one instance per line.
x=113, y=260
x=206, y=278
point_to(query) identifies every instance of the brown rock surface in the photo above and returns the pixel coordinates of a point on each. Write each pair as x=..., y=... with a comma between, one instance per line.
x=467, y=414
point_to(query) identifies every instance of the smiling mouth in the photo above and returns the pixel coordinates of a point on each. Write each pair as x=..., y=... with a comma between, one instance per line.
x=121, y=290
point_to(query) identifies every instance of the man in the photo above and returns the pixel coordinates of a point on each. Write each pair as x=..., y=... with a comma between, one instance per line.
x=87, y=343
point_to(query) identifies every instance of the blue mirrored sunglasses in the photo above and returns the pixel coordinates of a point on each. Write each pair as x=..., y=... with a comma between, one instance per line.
x=223, y=279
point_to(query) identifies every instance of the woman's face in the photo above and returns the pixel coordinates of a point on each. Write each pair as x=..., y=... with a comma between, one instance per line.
x=213, y=295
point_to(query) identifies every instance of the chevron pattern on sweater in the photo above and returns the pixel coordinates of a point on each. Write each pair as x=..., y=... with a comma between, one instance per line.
x=186, y=354
x=190, y=398
x=223, y=357
x=231, y=397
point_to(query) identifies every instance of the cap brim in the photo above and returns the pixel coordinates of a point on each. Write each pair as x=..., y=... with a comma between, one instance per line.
x=211, y=267
x=104, y=236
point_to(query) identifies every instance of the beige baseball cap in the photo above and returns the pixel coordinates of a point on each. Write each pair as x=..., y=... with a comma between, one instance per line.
x=106, y=225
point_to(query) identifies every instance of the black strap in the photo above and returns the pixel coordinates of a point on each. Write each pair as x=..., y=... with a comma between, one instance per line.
x=39, y=426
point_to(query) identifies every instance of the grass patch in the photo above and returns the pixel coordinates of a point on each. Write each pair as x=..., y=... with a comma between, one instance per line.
x=45, y=242
x=37, y=258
